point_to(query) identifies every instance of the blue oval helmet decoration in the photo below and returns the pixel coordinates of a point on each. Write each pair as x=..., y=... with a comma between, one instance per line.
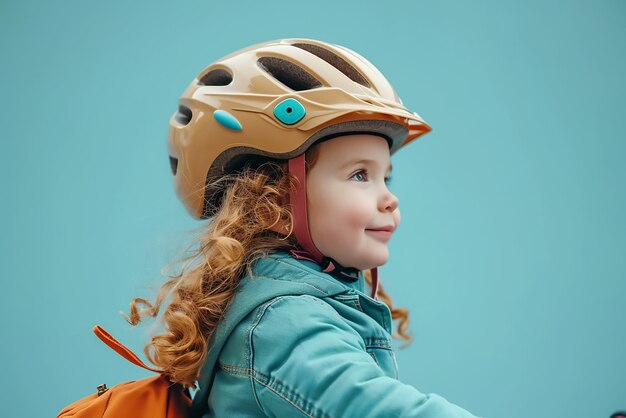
x=227, y=120
x=289, y=111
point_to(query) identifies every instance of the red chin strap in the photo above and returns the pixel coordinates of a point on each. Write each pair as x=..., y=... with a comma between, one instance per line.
x=297, y=199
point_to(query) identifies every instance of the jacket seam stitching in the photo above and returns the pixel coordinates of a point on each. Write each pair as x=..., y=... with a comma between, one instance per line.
x=253, y=374
x=378, y=343
x=324, y=276
x=380, y=347
x=260, y=312
x=257, y=276
x=358, y=304
x=351, y=300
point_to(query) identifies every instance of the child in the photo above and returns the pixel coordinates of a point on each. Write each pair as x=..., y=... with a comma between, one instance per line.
x=285, y=146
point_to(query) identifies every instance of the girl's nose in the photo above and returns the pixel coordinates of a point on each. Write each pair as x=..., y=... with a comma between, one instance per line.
x=389, y=202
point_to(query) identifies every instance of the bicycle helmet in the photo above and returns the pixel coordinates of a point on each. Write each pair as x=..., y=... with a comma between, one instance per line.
x=275, y=99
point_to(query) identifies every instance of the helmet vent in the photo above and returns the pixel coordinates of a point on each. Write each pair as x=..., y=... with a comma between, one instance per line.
x=183, y=116
x=218, y=77
x=288, y=73
x=336, y=61
x=173, y=164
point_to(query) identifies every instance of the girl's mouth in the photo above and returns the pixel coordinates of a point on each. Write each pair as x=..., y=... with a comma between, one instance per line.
x=383, y=234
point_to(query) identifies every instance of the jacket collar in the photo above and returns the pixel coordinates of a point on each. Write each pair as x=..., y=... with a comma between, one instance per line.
x=353, y=279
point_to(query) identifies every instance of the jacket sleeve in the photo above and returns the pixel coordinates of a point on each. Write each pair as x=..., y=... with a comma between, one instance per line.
x=306, y=361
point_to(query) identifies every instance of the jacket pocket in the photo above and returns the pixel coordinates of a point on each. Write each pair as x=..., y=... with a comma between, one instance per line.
x=381, y=351
x=350, y=299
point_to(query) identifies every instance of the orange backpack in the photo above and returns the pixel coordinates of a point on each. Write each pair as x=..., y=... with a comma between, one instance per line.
x=152, y=397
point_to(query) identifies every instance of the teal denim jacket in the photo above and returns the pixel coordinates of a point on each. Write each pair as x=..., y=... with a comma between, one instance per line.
x=297, y=342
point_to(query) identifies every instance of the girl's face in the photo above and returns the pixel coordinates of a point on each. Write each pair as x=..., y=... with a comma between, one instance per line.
x=352, y=213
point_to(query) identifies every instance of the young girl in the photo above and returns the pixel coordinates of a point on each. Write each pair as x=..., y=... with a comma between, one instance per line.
x=285, y=147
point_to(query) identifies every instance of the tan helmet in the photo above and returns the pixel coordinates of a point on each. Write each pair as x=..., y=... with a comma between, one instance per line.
x=275, y=99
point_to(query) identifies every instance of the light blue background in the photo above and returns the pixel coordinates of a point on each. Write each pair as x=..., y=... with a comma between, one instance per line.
x=511, y=256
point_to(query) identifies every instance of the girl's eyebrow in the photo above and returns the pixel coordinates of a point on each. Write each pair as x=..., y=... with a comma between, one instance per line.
x=364, y=161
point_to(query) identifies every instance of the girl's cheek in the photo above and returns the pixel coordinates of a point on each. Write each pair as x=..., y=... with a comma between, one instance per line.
x=361, y=216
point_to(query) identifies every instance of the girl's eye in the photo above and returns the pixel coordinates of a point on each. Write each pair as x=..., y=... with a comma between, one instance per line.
x=388, y=180
x=360, y=175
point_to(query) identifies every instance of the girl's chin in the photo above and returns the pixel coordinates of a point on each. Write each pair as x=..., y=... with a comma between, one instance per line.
x=369, y=263
x=362, y=260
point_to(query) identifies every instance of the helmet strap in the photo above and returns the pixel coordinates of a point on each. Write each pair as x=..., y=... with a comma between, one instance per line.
x=374, y=273
x=297, y=199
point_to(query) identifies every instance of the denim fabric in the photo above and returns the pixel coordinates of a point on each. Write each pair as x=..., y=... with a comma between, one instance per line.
x=297, y=342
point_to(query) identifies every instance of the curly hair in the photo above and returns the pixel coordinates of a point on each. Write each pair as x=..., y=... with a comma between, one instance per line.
x=196, y=298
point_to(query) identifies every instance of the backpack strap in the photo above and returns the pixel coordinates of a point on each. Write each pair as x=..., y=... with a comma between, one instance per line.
x=120, y=348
